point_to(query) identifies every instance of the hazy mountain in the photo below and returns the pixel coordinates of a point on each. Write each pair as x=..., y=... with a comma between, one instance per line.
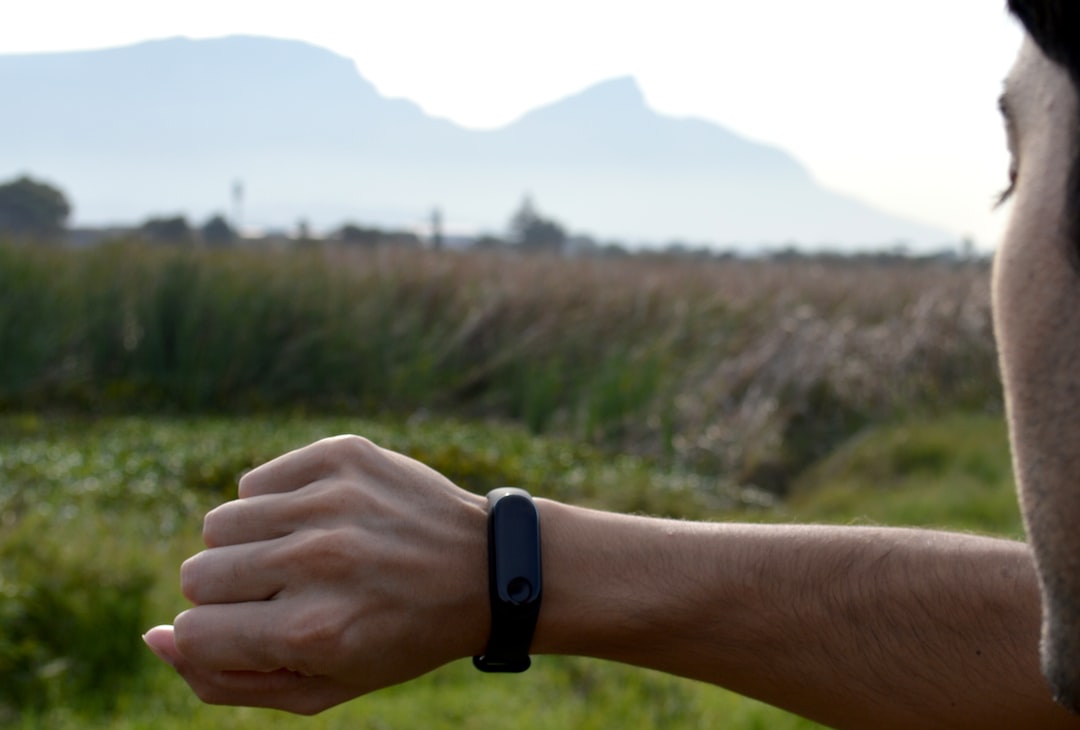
x=167, y=126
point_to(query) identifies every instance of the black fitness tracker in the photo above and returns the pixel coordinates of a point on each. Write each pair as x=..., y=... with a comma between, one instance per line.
x=513, y=579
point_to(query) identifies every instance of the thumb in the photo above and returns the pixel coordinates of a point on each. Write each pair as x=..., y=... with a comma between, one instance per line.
x=161, y=642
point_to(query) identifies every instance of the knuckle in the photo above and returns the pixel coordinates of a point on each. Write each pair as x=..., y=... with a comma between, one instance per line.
x=213, y=527
x=331, y=499
x=220, y=525
x=189, y=578
x=348, y=448
x=244, y=484
x=327, y=553
x=186, y=634
x=209, y=692
x=314, y=633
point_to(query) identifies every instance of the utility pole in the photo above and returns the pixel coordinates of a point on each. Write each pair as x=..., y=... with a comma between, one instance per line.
x=436, y=229
x=238, y=206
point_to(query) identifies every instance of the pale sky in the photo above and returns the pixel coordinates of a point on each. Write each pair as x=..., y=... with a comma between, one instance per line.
x=892, y=103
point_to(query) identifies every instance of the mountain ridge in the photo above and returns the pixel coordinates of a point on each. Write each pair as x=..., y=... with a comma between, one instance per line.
x=170, y=124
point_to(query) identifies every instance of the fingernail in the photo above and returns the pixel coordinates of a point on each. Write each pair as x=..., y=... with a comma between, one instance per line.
x=158, y=652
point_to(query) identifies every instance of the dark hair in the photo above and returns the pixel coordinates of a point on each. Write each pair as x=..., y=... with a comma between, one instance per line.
x=1054, y=25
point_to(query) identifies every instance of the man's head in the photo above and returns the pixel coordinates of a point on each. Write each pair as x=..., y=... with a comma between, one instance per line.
x=1037, y=317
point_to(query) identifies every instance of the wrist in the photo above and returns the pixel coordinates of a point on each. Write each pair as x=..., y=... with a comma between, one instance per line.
x=616, y=586
x=584, y=608
x=470, y=613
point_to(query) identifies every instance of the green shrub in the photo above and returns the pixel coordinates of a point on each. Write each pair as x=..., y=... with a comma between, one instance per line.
x=69, y=626
x=950, y=471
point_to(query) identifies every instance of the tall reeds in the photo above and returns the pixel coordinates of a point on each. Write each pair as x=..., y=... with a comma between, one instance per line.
x=748, y=368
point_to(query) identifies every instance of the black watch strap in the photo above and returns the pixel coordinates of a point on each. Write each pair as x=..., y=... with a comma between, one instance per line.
x=514, y=580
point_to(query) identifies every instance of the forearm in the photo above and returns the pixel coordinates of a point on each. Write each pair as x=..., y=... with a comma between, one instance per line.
x=342, y=551
x=854, y=627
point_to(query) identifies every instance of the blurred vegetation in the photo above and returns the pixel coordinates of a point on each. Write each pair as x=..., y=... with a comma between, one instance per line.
x=32, y=208
x=138, y=382
x=66, y=622
x=953, y=471
x=533, y=232
x=97, y=514
x=748, y=369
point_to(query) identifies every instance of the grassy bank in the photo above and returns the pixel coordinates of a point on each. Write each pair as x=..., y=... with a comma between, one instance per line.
x=98, y=513
x=751, y=369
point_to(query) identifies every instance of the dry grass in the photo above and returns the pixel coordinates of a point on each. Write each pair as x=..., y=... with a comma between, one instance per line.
x=751, y=369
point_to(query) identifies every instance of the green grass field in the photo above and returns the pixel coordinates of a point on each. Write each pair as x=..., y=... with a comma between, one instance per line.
x=96, y=515
x=821, y=390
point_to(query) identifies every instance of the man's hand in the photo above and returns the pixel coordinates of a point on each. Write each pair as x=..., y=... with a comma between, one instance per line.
x=342, y=568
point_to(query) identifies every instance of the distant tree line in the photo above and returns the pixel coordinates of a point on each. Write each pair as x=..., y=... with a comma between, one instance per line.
x=37, y=209
x=356, y=235
x=216, y=231
x=34, y=209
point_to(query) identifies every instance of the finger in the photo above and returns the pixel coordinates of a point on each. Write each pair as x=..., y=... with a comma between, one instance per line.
x=160, y=641
x=232, y=574
x=258, y=636
x=248, y=520
x=227, y=637
x=281, y=689
x=301, y=467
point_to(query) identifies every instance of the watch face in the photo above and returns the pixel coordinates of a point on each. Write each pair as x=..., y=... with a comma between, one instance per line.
x=514, y=580
x=515, y=546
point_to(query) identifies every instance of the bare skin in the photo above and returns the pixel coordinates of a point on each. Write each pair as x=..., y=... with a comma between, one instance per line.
x=1036, y=298
x=341, y=569
x=344, y=568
